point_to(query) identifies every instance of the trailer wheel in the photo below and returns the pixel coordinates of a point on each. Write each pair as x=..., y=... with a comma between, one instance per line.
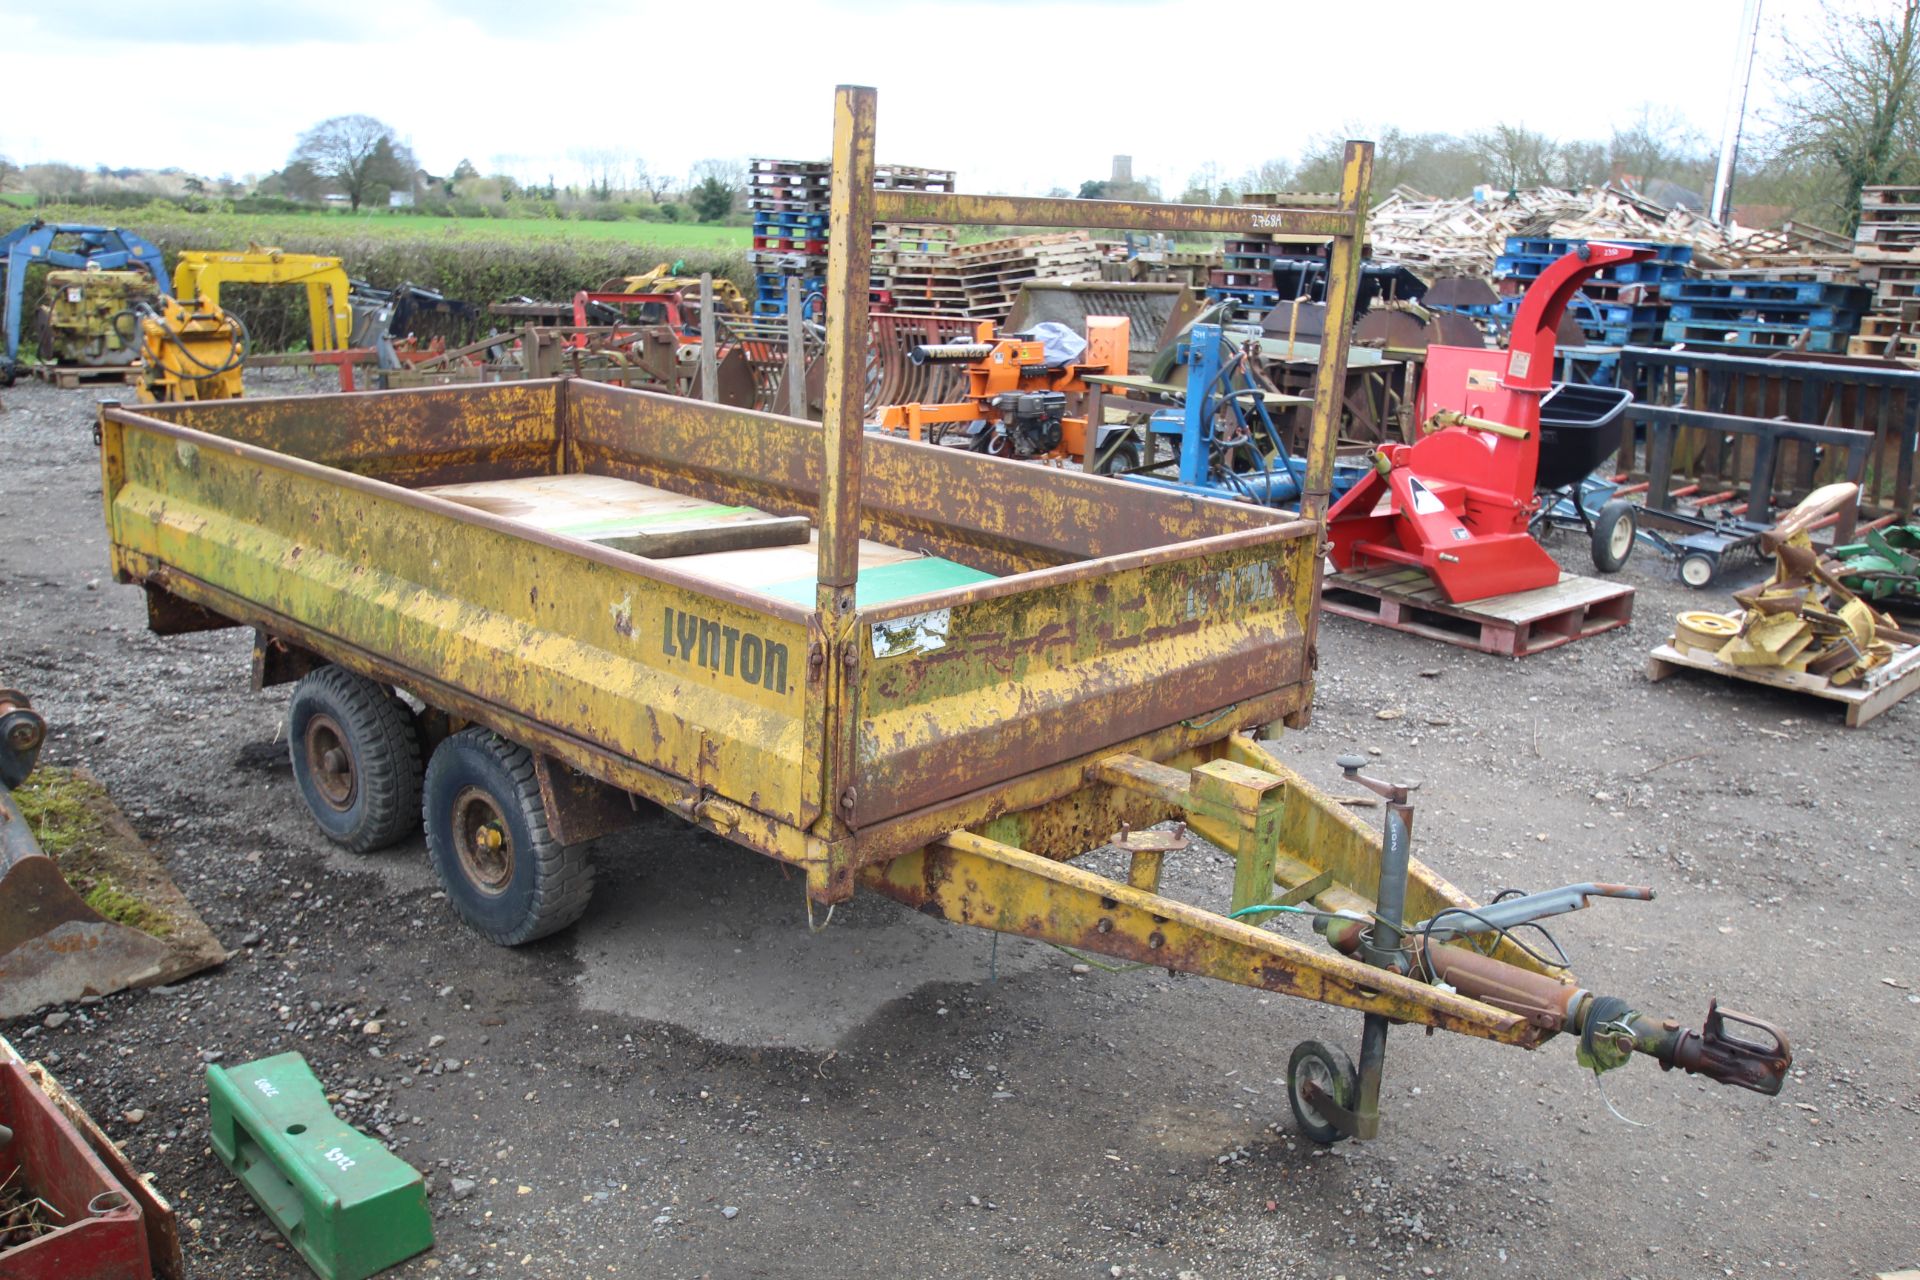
x=487, y=831
x=356, y=759
x=1124, y=457
x=1697, y=570
x=1332, y=1071
x=1614, y=530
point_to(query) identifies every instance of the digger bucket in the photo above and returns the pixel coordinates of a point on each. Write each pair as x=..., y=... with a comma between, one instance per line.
x=54, y=948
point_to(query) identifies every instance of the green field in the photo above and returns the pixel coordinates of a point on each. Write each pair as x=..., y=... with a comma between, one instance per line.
x=475, y=260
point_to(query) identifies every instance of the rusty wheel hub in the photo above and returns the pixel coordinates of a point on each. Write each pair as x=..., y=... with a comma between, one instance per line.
x=1314, y=1080
x=330, y=763
x=482, y=841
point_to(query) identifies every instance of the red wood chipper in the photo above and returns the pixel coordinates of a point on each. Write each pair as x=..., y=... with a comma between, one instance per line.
x=1458, y=502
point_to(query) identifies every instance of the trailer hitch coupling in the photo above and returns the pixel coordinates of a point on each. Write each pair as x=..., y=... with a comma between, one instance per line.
x=1755, y=1057
x=1754, y=1054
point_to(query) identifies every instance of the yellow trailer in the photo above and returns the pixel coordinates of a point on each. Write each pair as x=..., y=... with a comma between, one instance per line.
x=902, y=669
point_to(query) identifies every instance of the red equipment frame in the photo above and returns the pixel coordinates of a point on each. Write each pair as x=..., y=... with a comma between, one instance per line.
x=103, y=1236
x=1458, y=501
x=673, y=317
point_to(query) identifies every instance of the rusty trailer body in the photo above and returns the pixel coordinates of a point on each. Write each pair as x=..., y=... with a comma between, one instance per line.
x=1097, y=669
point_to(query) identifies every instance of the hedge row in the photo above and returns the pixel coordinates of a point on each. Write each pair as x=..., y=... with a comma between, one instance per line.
x=472, y=268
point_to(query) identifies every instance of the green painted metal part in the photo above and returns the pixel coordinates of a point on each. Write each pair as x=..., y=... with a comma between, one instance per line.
x=347, y=1204
x=1886, y=566
x=889, y=582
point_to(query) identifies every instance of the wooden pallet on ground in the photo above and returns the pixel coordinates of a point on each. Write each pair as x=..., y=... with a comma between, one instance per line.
x=1514, y=625
x=70, y=376
x=1878, y=689
x=1899, y=346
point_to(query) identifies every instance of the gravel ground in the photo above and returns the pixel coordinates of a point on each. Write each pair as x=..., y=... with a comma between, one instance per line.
x=690, y=1084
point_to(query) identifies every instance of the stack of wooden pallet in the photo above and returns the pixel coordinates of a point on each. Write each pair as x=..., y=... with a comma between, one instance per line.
x=1887, y=248
x=1193, y=267
x=1464, y=237
x=980, y=281
x=909, y=177
x=894, y=242
x=1246, y=274
x=791, y=201
x=1621, y=304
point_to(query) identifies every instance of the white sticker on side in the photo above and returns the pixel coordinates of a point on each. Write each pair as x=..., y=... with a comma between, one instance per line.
x=1424, y=503
x=921, y=633
x=1519, y=363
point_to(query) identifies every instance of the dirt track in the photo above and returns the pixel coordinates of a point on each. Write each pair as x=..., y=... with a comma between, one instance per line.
x=949, y=1108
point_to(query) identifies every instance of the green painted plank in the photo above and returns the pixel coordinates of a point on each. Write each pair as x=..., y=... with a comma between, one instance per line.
x=888, y=582
x=615, y=524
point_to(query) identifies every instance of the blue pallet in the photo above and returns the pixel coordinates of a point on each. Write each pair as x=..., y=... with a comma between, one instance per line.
x=1619, y=313
x=1635, y=336
x=1556, y=247
x=811, y=221
x=1762, y=293
x=1644, y=272
x=1511, y=266
x=1768, y=337
x=1769, y=313
x=778, y=293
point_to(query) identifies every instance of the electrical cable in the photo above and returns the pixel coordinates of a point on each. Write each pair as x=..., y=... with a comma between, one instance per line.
x=1289, y=909
x=1502, y=931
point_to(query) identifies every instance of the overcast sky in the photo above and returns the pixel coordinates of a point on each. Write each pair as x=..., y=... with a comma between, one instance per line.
x=1017, y=95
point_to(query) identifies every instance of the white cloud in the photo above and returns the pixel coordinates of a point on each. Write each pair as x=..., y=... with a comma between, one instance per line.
x=1017, y=96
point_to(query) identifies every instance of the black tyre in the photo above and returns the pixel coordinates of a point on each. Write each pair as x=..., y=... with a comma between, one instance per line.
x=487, y=831
x=356, y=758
x=1124, y=457
x=1332, y=1071
x=1614, y=530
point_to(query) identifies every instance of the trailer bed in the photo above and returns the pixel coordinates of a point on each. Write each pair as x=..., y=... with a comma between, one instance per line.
x=1017, y=623
x=730, y=546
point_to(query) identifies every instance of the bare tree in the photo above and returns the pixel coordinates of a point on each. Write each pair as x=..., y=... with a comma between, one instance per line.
x=55, y=182
x=1854, y=100
x=9, y=173
x=358, y=154
x=731, y=172
x=1658, y=143
x=654, y=186
x=1574, y=165
x=1431, y=163
x=1513, y=156
x=1269, y=175
x=600, y=166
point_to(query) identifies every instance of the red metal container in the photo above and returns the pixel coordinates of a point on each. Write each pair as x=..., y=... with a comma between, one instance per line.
x=103, y=1237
